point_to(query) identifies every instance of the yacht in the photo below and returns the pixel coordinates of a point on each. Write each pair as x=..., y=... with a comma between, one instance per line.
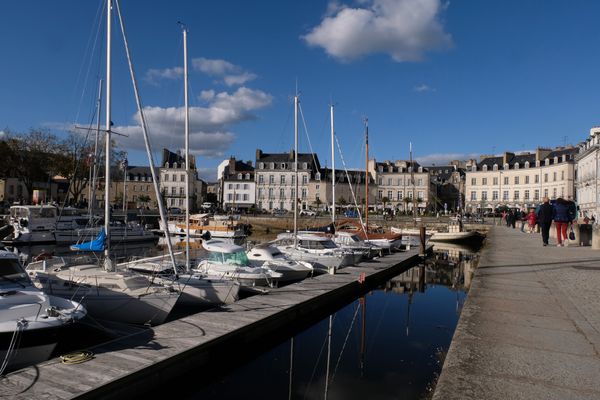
x=119, y=296
x=265, y=255
x=31, y=225
x=320, y=251
x=229, y=261
x=202, y=226
x=196, y=289
x=30, y=321
x=351, y=241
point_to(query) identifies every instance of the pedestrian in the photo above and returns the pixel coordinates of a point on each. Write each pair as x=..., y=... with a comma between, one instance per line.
x=544, y=218
x=522, y=218
x=562, y=218
x=531, y=221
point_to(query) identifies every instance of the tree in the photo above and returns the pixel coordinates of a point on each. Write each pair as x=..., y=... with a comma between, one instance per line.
x=342, y=201
x=30, y=156
x=318, y=203
x=73, y=162
x=385, y=200
x=144, y=199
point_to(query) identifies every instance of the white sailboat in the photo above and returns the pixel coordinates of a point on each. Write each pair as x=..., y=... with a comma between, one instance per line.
x=266, y=255
x=108, y=294
x=30, y=320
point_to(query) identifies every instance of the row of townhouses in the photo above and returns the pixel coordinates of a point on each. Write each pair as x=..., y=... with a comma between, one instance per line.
x=515, y=180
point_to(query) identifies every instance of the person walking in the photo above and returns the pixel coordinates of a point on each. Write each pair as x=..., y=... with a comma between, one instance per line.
x=562, y=218
x=544, y=217
x=531, y=221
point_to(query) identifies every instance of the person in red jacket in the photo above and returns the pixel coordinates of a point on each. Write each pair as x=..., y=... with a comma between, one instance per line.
x=531, y=220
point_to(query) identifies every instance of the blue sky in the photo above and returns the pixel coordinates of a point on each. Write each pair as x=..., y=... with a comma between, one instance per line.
x=456, y=79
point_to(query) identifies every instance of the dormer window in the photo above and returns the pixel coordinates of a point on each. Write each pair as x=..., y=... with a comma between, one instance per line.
x=420, y=169
x=247, y=177
x=506, y=166
x=272, y=165
x=547, y=162
x=261, y=166
x=484, y=168
x=526, y=164
x=390, y=169
x=474, y=168
x=516, y=165
x=239, y=177
x=282, y=165
x=304, y=166
x=380, y=169
x=174, y=165
x=555, y=160
x=537, y=163
x=318, y=176
x=495, y=167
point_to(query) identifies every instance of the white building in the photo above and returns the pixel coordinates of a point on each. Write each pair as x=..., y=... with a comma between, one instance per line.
x=520, y=180
x=172, y=181
x=588, y=178
x=238, y=189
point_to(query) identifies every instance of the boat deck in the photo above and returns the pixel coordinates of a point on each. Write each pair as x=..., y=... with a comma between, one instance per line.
x=144, y=361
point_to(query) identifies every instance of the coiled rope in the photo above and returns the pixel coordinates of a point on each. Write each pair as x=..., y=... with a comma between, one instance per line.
x=77, y=357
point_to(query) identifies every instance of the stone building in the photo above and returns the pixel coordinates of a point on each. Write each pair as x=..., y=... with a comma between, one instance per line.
x=403, y=184
x=448, y=184
x=520, y=180
x=172, y=181
x=588, y=179
x=275, y=179
x=348, y=188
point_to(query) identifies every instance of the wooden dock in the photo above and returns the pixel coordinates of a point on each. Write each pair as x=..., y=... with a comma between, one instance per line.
x=144, y=362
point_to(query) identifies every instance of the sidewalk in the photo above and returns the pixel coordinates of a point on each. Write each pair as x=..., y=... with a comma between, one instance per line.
x=530, y=328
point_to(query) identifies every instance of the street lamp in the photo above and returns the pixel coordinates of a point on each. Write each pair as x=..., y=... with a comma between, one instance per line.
x=124, y=165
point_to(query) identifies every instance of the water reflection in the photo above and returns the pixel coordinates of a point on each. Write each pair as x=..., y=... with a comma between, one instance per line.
x=390, y=343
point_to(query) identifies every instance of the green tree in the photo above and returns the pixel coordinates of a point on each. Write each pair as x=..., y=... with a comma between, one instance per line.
x=385, y=200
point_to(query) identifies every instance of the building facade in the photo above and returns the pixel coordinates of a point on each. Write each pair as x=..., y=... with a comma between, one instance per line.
x=448, y=184
x=404, y=185
x=238, y=186
x=172, y=181
x=520, y=180
x=587, y=184
x=275, y=180
x=349, y=188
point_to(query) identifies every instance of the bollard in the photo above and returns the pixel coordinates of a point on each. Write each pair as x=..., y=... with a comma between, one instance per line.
x=422, y=240
x=596, y=237
x=585, y=234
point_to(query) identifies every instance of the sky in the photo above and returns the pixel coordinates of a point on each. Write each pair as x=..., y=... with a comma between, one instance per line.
x=455, y=79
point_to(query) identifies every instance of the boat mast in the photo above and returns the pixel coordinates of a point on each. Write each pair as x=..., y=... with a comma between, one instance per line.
x=332, y=169
x=296, y=170
x=412, y=181
x=92, y=183
x=367, y=173
x=187, y=154
x=138, y=101
x=107, y=150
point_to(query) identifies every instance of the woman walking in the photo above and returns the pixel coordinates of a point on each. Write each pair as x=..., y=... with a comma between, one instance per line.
x=562, y=218
x=531, y=220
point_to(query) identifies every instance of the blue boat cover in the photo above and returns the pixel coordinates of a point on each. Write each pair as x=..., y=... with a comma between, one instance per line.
x=94, y=245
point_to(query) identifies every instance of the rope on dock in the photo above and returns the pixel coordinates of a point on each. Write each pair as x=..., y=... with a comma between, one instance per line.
x=77, y=357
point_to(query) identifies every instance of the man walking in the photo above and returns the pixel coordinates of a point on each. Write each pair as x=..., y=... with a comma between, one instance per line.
x=544, y=218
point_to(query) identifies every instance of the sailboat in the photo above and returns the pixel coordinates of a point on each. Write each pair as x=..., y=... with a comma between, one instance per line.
x=120, y=296
x=319, y=251
x=370, y=234
x=196, y=288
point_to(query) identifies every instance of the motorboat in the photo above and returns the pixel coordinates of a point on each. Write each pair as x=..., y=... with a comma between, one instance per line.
x=31, y=225
x=351, y=241
x=371, y=234
x=196, y=289
x=266, y=255
x=224, y=227
x=119, y=296
x=229, y=261
x=318, y=250
x=30, y=320
x=456, y=234
x=412, y=237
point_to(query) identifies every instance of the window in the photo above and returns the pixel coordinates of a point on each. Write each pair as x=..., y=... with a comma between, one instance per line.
x=304, y=165
x=271, y=179
x=495, y=167
x=261, y=179
x=389, y=182
x=229, y=196
x=173, y=190
x=380, y=181
x=182, y=191
x=260, y=193
x=271, y=196
x=237, y=197
x=545, y=192
x=293, y=179
x=282, y=193
x=230, y=186
x=484, y=195
x=304, y=193
x=305, y=179
x=516, y=194
x=180, y=202
x=293, y=193
x=400, y=182
x=506, y=180
x=545, y=177
x=240, y=177
x=380, y=194
x=390, y=196
x=554, y=193
x=271, y=165
x=261, y=166
x=536, y=194
x=473, y=181
x=554, y=177
x=537, y=179
x=246, y=186
x=484, y=181
x=182, y=178
x=484, y=168
x=282, y=165
x=166, y=178
x=495, y=195
x=410, y=195
x=562, y=175
x=495, y=181
x=516, y=180
x=526, y=179
x=282, y=179
x=526, y=195
x=420, y=182
x=473, y=196
x=318, y=176
x=516, y=166
x=174, y=177
x=399, y=195
x=420, y=195
x=505, y=195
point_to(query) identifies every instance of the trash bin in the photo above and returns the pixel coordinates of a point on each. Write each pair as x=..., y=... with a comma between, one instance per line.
x=585, y=234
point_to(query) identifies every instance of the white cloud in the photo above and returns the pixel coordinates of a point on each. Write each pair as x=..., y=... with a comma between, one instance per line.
x=404, y=29
x=230, y=73
x=423, y=88
x=154, y=75
x=444, y=158
x=209, y=126
x=208, y=174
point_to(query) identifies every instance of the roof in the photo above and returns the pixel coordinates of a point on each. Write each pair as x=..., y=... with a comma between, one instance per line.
x=221, y=247
x=311, y=158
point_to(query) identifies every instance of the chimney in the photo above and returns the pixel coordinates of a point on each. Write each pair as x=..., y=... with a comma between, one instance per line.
x=292, y=155
x=507, y=157
x=231, y=165
x=249, y=163
x=541, y=153
x=259, y=154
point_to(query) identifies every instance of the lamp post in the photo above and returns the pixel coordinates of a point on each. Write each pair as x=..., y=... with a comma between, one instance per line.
x=124, y=165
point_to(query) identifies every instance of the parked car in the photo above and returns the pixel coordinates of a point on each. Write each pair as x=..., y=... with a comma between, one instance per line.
x=278, y=211
x=174, y=210
x=309, y=213
x=351, y=213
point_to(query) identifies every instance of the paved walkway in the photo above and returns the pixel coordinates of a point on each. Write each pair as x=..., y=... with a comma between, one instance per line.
x=530, y=328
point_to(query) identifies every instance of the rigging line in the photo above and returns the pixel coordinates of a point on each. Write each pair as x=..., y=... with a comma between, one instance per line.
x=99, y=14
x=307, y=137
x=312, y=376
x=351, y=189
x=344, y=345
x=379, y=321
x=283, y=137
